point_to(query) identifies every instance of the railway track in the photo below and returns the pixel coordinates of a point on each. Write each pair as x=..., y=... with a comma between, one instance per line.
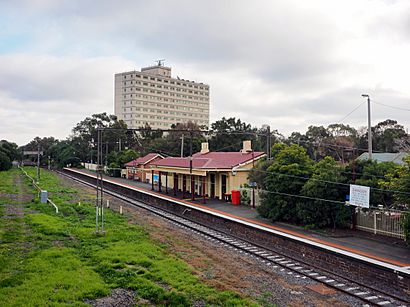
x=272, y=259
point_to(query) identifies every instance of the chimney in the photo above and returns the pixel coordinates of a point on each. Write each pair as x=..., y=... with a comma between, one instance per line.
x=247, y=147
x=204, y=148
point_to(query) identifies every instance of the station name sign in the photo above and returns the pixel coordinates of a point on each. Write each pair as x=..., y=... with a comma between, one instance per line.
x=32, y=152
x=359, y=196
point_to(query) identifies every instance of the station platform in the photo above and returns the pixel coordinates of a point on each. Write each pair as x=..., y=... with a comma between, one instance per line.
x=381, y=248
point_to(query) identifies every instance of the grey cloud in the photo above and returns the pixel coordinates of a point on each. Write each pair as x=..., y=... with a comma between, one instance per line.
x=266, y=61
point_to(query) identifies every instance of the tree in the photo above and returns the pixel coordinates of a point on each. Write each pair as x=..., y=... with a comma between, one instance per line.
x=84, y=136
x=229, y=133
x=170, y=143
x=5, y=163
x=288, y=164
x=10, y=150
x=46, y=145
x=372, y=174
x=318, y=213
x=387, y=135
x=399, y=181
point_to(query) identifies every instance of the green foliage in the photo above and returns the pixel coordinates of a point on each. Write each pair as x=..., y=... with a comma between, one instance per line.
x=373, y=174
x=8, y=153
x=10, y=149
x=67, y=263
x=389, y=136
x=231, y=141
x=324, y=213
x=246, y=195
x=399, y=181
x=258, y=173
x=290, y=160
x=5, y=163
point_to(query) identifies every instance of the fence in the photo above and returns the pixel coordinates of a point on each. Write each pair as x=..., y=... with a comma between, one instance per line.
x=384, y=222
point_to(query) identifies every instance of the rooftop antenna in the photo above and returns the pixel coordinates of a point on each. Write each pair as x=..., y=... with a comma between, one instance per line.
x=160, y=62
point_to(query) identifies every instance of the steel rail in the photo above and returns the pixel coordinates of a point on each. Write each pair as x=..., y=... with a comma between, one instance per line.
x=271, y=258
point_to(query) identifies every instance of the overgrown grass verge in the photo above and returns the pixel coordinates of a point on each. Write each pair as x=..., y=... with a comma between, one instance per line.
x=68, y=263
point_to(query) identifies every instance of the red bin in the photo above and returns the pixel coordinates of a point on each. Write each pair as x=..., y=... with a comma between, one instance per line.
x=236, y=197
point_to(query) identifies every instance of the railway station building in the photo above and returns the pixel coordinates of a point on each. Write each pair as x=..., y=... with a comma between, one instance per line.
x=137, y=169
x=206, y=174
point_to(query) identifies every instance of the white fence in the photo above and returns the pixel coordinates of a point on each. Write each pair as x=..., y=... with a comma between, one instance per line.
x=384, y=222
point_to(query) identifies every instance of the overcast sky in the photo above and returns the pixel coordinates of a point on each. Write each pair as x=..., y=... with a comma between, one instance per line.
x=289, y=64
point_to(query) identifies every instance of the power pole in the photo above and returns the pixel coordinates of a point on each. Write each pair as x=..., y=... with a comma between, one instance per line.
x=99, y=201
x=182, y=146
x=106, y=154
x=369, y=126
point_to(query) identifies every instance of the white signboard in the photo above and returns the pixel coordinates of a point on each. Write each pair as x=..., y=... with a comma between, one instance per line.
x=359, y=196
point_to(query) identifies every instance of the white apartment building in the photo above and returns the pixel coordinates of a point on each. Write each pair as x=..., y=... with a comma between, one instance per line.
x=152, y=96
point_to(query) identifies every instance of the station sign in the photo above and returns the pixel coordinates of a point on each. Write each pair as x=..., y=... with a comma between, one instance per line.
x=359, y=196
x=32, y=152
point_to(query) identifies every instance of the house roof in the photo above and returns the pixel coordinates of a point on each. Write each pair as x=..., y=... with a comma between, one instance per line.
x=143, y=160
x=210, y=160
x=396, y=157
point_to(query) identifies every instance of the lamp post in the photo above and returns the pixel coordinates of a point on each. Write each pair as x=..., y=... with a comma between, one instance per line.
x=369, y=126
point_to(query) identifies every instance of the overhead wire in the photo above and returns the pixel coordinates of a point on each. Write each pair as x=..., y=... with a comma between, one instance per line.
x=390, y=106
x=351, y=112
x=329, y=181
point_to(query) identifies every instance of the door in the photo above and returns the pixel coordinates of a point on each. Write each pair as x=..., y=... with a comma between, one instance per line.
x=176, y=179
x=212, y=178
x=223, y=185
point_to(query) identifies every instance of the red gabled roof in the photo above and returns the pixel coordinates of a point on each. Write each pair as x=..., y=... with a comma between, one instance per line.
x=143, y=160
x=210, y=160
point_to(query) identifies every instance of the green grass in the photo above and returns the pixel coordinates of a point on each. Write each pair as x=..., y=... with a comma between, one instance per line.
x=68, y=263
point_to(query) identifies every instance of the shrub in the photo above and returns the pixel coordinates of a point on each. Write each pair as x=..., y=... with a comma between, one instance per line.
x=5, y=163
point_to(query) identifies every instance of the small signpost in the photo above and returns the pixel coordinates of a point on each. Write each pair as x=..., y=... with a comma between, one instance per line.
x=359, y=196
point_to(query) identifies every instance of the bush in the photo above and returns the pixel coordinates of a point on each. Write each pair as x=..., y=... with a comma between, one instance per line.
x=5, y=163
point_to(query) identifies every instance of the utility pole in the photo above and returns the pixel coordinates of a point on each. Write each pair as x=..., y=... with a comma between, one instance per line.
x=369, y=126
x=182, y=146
x=119, y=145
x=99, y=219
x=190, y=166
x=253, y=183
x=106, y=154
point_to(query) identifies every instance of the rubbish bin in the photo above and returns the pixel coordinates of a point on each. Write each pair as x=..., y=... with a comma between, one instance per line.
x=236, y=197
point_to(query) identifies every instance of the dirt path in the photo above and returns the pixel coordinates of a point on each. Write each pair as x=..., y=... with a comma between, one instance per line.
x=14, y=211
x=223, y=268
